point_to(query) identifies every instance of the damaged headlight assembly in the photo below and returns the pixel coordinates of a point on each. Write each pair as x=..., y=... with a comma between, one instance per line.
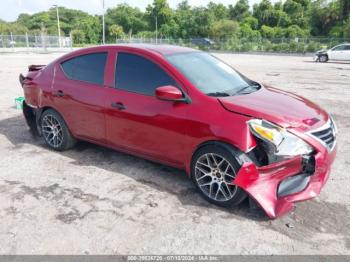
x=284, y=144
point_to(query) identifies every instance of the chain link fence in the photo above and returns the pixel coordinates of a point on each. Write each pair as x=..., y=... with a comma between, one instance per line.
x=45, y=43
x=33, y=42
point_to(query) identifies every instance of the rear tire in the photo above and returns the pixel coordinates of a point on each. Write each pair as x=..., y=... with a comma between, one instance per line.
x=323, y=58
x=55, y=131
x=213, y=169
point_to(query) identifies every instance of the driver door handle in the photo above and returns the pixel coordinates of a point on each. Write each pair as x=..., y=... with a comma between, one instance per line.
x=59, y=93
x=118, y=105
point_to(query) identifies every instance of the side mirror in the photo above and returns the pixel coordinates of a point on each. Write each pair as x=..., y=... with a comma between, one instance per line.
x=170, y=93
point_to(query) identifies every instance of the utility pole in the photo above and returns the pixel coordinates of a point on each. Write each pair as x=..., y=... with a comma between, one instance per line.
x=103, y=23
x=58, y=26
x=156, y=29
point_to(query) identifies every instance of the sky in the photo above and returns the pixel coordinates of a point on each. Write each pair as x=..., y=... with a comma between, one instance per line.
x=10, y=9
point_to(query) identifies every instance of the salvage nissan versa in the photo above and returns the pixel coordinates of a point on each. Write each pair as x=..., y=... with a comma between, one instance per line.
x=185, y=108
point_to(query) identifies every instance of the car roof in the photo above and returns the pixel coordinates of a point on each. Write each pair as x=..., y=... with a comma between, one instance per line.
x=343, y=44
x=154, y=48
x=157, y=49
x=160, y=48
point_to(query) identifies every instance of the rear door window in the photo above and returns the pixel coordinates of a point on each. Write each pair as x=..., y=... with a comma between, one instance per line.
x=137, y=74
x=88, y=68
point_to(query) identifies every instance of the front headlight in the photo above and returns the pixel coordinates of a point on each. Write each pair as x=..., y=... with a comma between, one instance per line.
x=285, y=143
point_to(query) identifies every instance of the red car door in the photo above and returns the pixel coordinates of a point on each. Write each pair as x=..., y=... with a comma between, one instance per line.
x=136, y=120
x=79, y=94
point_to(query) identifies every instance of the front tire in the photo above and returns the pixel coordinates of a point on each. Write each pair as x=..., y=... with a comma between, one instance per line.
x=323, y=58
x=55, y=131
x=213, y=170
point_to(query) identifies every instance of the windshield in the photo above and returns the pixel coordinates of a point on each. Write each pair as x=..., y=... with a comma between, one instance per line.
x=209, y=74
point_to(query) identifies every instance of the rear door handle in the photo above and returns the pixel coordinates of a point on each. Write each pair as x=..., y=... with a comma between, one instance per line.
x=59, y=93
x=118, y=105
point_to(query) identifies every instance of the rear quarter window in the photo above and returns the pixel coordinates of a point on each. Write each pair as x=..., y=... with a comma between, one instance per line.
x=88, y=68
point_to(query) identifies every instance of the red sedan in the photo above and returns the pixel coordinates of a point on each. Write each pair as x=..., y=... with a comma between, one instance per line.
x=185, y=108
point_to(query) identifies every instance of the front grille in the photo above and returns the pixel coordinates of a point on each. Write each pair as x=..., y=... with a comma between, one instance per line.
x=326, y=135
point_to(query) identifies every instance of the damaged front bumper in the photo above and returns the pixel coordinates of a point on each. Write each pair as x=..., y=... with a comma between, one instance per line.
x=276, y=187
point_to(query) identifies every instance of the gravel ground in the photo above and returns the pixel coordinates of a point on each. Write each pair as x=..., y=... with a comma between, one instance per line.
x=92, y=200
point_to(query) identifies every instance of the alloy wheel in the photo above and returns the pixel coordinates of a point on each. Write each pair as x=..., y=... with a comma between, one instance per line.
x=52, y=131
x=323, y=58
x=214, y=175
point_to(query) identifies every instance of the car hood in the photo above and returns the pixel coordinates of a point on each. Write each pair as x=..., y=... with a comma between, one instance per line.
x=323, y=51
x=277, y=106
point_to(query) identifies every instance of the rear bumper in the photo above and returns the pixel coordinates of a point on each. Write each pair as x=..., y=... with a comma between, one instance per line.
x=268, y=186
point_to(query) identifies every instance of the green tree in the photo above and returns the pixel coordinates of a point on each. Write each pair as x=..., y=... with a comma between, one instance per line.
x=160, y=12
x=267, y=31
x=146, y=34
x=323, y=16
x=317, y=17
x=184, y=19
x=273, y=16
x=24, y=19
x=247, y=32
x=78, y=36
x=91, y=26
x=116, y=31
x=287, y=18
x=14, y=28
x=251, y=21
x=219, y=11
x=224, y=28
x=240, y=10
x=264, y=12
x=193, y=22
x=295, y=31
x=69, y=19
x=344, y=9
x=170, y=29
x=203, y=21
x=346, y=30
x=296, y=12
x=130, y=18
x=337, y=31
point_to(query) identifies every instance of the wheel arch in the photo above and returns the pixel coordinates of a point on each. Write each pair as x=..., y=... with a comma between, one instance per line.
x=67, y=139
x=34, y=122
x=238, y=155
x=234, y=150
x=326, y=55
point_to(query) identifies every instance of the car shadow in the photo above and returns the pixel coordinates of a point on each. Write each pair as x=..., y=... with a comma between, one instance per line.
x=329, y=62
x=161, y=178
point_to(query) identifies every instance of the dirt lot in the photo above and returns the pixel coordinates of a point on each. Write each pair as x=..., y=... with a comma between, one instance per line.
x=92, y=200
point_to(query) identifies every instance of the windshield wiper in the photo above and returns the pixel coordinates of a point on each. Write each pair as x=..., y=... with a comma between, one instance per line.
x=256, y=86
x=218, y=94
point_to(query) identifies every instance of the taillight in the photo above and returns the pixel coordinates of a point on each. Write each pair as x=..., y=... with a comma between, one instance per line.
x=32, y=68
x=23, y=79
